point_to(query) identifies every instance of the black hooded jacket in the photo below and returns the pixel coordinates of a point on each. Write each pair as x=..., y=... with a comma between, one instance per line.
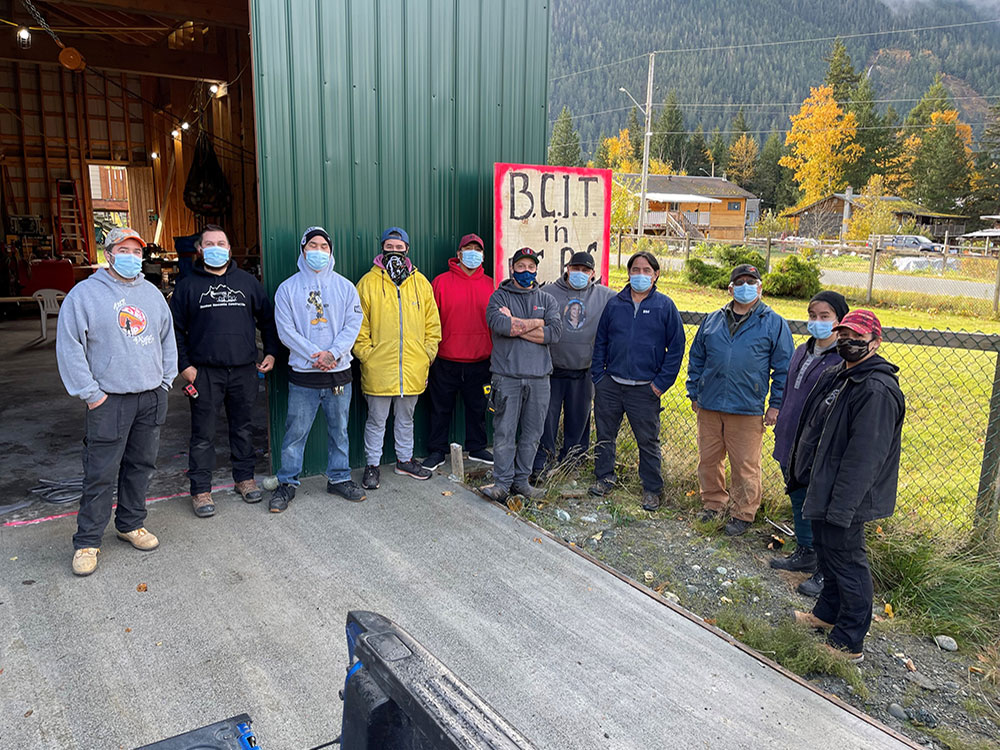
x=215, y=318
x=847, y=444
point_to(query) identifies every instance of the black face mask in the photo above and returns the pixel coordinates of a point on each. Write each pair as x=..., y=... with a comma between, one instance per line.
x=852, y=350
x=395, y=266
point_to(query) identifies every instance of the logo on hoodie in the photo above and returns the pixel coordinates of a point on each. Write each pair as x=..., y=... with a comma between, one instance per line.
x=131, y=320
x=316, y=300
x=221, y=295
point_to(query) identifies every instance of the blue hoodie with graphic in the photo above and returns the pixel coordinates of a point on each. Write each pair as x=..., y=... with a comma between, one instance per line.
x=317, y=312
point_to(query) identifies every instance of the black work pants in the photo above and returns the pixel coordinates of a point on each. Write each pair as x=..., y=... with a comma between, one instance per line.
x=612, y=401
x=120, y=442
x=570, y=397
x=846, y=599
x=447, y=379
x=236, y=389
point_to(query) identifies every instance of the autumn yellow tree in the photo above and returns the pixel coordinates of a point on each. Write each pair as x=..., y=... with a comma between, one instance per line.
x=821, y=144
x=742, y=160
x=620, y=157
x=873, y=215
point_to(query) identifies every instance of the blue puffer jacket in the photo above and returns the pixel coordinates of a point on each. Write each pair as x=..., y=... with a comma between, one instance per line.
x=643, y=344
x=731, y=373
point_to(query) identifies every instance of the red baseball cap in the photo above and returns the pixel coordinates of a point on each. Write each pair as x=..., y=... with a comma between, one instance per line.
x=861, y=321
x=471, y=239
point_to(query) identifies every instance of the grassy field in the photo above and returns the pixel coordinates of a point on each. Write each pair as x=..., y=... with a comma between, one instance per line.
x=947, y=392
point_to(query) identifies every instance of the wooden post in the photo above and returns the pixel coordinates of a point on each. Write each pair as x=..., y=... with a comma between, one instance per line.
x=457, y=462
x=871, y=267
x=988, y=497
x=946, y=243
x=767, y=258
x=687, y=249
x=996, y=285
x=619, y=252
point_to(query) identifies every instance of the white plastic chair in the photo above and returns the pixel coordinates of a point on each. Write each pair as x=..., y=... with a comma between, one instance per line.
x=48, y=304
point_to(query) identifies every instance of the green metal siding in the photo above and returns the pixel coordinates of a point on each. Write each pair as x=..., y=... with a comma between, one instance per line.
x=373, y=113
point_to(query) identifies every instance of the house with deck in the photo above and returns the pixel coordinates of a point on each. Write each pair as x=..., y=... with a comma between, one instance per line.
x=827, y=216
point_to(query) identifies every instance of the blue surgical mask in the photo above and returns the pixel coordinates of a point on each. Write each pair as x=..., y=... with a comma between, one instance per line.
x=525, y=278
x=745, y=293
x=317, y=260
x=472, y=258
x=126, y=265
x=820, y=329
x=578, y=279
x=215, y=256
x=640, y=282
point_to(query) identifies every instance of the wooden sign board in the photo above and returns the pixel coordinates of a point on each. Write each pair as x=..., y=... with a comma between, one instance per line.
x=556, y=211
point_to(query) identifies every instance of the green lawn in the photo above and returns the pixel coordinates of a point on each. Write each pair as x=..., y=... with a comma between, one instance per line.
x=947, y=393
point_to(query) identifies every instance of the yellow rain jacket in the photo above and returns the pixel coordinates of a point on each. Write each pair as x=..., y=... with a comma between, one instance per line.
x=399, y=334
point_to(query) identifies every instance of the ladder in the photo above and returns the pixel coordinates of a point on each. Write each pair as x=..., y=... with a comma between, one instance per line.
x=69, y=223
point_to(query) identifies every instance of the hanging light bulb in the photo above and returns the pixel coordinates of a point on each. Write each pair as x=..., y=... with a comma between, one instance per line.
x=154, y=155
x=185, y=126
x=175, y=133
x=24, y=38
x=214, y=88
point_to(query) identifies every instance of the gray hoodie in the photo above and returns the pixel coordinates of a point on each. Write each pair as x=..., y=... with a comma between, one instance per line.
x=515, y=357
x=581, y=312
x=115, y=336
x=317, y=312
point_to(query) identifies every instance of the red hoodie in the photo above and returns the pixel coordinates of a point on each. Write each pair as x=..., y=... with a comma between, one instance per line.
x=461, y=301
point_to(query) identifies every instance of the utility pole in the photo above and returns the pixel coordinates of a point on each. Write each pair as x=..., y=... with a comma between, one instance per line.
x=645, y=146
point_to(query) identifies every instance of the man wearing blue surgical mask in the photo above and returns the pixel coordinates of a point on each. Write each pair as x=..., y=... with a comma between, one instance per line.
x=739, y=353
x=217, y=311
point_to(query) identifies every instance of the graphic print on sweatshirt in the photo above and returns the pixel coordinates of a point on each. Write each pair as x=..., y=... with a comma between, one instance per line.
x=316, y=300
x=222, y=295
x=574, y=315
x=132, y=322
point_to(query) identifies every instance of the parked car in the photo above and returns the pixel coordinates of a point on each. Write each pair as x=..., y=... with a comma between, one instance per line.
x=913, y=242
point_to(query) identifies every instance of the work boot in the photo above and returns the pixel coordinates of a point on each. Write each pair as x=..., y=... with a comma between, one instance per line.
x=483, y=456
x=433, y=460
x=370, y=481
x=843, y=653
x=202, y=504
x=812, y=586
x=737, y=527
x=140, y=539
x=281, y=497
x=526, y=490
x=708, y=515
x=85, y=561
x=249, y=490
x=809, y=620
x=494, y=492
x=602, y=487
x=347, y=490
x=412, y=469
x=802, y=560
x=651, y=501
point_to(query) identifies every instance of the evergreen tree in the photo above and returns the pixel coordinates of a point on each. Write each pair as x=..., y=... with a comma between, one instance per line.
x=871, y=135
x=739, y=125
x=941, y=170
x=743, y=160
x=635, y=133
x=669, y=141
x=936, y=99
x=985, y=198
x=765, y=182
x=840, y=74
x=564, y=146
x=698, y=153
x=718, y=149
x=602, y=159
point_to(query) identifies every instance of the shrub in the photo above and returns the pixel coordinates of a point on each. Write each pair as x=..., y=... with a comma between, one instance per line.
x=728, y=256
x=793, y=277
x=704, y=274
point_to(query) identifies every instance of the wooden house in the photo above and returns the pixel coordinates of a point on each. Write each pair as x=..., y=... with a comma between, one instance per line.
x=827, y=216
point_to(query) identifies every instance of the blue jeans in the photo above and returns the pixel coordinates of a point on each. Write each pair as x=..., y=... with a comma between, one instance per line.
x=302, y=406
x=803, y=528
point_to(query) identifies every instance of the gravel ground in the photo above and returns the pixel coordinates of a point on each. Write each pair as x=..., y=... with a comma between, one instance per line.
x=938, y=701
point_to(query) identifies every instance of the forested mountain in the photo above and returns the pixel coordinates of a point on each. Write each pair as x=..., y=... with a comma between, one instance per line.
x=769, y=82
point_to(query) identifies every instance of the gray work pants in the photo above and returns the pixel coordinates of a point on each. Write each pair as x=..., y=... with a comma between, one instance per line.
x=378, y=413
x=517, y=403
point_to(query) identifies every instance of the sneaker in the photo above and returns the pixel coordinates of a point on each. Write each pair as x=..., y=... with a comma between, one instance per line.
x=85, y=561
x=347, y=490
x=281, y=497
x=433, y=460
x=483, y=456
x=412, y=469
x=708, y=515
x=526, y=490
x=202, y=504
x=602, y=487
x=140, y=539
x=493, y=492
x=843, y=653
x=737, y=527
x=249, y=490
x=809, y=620
x=813, y=586
x=802, y=560
x=651, y=501
x=370, y=480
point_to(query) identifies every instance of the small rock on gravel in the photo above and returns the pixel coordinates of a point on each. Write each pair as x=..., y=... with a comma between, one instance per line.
x=898, y=711
x=921, y=679
x=562, y=515
x=588, y=519
x=925, y=717
x=946, y=642
x=671, y=596
x=721, y=571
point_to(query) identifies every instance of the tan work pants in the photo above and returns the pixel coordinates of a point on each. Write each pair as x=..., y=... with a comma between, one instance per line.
x=740, y=436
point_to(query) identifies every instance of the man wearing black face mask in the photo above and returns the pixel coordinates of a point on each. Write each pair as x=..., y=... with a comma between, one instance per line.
x=846, y=451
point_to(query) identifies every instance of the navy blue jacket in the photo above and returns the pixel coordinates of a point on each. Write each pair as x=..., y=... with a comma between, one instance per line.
x=730, y=373
x=643, y=344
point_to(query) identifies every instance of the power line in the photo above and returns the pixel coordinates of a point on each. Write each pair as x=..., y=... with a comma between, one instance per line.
x=778, y=43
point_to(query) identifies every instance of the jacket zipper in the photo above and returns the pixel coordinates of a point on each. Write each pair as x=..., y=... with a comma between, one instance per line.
x=399, y=301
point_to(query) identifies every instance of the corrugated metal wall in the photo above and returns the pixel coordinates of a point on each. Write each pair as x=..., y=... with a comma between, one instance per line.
x=373, y=113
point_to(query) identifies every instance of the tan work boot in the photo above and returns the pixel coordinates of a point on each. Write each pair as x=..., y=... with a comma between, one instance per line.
x=809, y=620
x=140, y=539
x=841, y=653
x=203, y=505
x=85, y=561
x=249, y=490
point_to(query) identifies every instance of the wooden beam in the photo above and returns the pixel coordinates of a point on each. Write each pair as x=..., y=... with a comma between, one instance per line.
x=164, y=63
x=233, y=13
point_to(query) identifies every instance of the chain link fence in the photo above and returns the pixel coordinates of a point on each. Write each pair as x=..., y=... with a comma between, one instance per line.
x=948, y=477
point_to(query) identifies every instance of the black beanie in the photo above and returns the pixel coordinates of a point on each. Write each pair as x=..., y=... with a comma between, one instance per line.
x=315, y=232
x=833, y=299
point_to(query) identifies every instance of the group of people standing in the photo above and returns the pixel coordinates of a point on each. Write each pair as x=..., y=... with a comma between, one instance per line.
x=561, y=353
